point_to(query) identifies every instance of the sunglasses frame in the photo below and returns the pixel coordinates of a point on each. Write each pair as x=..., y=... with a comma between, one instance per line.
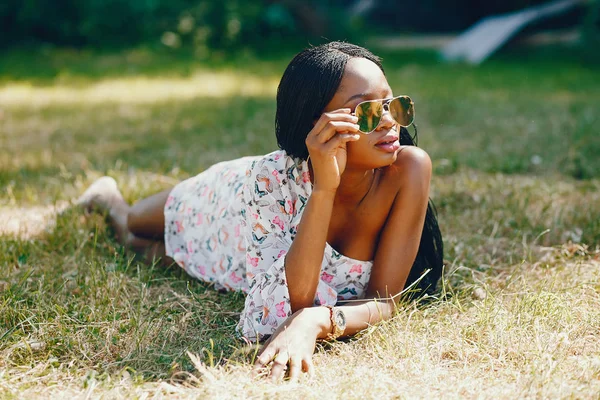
x=386, y=103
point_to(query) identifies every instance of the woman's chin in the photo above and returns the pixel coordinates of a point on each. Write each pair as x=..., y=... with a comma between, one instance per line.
x=381, y=161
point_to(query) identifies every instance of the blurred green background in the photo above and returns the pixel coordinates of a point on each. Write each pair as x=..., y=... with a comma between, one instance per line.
x=528, y=109
x=208, y=24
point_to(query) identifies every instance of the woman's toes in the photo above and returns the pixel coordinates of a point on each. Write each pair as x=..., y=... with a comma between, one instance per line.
x=99, y=194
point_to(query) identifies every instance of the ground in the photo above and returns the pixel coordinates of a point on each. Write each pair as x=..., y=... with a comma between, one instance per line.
x=515, y=148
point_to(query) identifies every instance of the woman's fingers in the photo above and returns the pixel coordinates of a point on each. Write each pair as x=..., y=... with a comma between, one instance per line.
x=295, y=368
x=335, y=127
x=265, y=357
x=330, y=123
x=343, y=114
x=332, y=143
x=338, y=140
x=279, y=366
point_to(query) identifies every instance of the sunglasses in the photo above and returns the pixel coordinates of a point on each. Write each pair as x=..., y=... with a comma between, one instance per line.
x=370, y=113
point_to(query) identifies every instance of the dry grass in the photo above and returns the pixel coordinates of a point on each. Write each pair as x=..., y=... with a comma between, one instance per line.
x=533, y=335
x=519, y=312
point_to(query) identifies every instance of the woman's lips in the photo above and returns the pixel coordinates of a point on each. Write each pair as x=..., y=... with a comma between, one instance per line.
x=388, y=143
x=389, y=147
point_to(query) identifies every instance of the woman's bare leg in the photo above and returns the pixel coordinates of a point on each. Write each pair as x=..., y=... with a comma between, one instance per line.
x=146, y=218
x=151, y=251
x=139, y=227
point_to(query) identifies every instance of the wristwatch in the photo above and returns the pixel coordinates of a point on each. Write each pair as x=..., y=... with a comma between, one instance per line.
x=338, y=323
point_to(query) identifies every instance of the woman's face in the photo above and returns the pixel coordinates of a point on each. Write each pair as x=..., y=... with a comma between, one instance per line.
x=363, y=80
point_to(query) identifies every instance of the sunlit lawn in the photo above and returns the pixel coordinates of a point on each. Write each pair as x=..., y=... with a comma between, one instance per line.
x=516, y=150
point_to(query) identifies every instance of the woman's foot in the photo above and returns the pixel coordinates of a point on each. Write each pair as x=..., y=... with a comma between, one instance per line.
x=101, y=194
x=104, y=195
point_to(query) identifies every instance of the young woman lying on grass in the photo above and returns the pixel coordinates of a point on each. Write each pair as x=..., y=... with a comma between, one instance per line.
x=340, y=213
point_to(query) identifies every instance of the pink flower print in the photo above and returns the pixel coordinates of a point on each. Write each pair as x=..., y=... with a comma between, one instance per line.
x=236, y=279
x=320, y=299
x=356, y=268
x=276, y=175
x=289, y=207
x=169, y=201
x=305, y=177
x=326, y=277
x=200, y=221
x=277, y=221
x=277, y=156
x=280, y=309
x=179, y=226
x=190, y=246
x=202, y=270
x=252, y=260
x=188, y=211
x=281, y=253
x=237, y=230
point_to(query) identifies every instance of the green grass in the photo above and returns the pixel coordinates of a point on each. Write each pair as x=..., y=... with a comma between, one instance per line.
x=515, y=146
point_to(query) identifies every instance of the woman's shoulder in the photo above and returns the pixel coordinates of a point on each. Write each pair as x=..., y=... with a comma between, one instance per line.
x=412, y=167
x=410, y=160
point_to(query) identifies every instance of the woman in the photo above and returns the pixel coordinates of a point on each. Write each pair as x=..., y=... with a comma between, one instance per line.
x=339, y=213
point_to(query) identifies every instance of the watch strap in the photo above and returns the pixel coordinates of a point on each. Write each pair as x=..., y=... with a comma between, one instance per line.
x=336, y=330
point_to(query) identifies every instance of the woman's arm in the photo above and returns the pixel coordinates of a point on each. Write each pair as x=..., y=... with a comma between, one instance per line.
x=358, y=315
x=303, y=261
x=398, y=245
x=326, y=143
x=401, y=235
x=283, y=271
x=294, y=341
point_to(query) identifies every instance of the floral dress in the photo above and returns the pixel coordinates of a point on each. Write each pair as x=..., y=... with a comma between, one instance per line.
x=233, y=224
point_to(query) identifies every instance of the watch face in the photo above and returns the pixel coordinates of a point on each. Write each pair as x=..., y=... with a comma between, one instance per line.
x=340, y=319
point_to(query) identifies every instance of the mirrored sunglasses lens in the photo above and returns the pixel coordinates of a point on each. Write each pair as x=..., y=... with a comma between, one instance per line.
x=402, y=109
x=369, y=114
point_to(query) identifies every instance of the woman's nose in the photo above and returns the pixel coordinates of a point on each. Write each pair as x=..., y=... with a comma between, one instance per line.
x=387, y=122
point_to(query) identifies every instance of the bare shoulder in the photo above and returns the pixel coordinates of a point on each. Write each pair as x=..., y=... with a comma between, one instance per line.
x=412, y=166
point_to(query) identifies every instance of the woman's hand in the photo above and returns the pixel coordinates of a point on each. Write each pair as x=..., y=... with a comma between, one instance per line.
x=292, y=344
x=326, y=144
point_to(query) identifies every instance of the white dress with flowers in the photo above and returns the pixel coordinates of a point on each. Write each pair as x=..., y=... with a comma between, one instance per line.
x=233, y=224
